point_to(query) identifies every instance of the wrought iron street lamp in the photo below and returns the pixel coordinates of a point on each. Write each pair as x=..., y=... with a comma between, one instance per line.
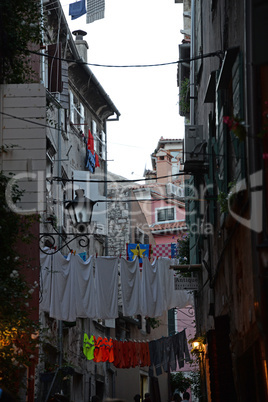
x=80, y=210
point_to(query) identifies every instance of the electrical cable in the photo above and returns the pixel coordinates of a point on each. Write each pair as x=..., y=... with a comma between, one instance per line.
x=217, y=53
x=70, y=132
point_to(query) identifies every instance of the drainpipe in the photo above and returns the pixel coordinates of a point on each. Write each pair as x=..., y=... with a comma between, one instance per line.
x=42, y=72
x=105, y=189
x=192, y=71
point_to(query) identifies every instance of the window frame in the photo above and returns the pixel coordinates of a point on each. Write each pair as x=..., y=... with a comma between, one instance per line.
x=163, y=209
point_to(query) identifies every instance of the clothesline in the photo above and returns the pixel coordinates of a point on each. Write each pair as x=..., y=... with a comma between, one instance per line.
x=159, y=355
x=73, y=288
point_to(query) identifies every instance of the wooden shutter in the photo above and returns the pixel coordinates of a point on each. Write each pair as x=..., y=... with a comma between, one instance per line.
x=54, y=68
x=238, y=110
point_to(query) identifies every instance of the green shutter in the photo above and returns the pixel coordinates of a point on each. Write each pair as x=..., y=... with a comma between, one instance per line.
x=238, y=110
x=171, y=322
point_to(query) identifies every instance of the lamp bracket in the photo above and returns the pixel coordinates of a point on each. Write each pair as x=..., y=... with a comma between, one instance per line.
x=49, y=240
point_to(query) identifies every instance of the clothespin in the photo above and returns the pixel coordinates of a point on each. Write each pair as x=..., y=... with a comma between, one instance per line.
x=96, y=255
x=74, y=252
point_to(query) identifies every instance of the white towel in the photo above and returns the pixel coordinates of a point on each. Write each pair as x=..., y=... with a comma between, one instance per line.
x=45, y=281
x=106, y=279
x=84, y=287
x=62, y=305
x=130, y=284
x=152, y=302
x=95, y=10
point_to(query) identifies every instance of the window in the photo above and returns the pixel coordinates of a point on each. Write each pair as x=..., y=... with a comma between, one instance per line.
x=141, y=237
x=77, y=112
x=54, y=68
x=94, y=133
x=165, y=214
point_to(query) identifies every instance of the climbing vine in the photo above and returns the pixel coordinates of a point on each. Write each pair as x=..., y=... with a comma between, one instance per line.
x=20, y=25
x=183, y=251
x=18, y=332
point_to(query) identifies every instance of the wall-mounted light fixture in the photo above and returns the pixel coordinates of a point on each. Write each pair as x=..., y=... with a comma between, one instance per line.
x=80, y=210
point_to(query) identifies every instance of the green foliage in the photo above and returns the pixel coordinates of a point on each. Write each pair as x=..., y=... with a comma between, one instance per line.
x=224, y=198
x=154, y=322
x=20, y=25
x=184, y=97
x=18, y=331
x=183, y=253
x=180, y=382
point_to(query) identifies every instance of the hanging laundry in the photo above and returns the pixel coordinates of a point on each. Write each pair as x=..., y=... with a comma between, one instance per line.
x=90, y=161
x=90, y=142
x=116, y=353
x=45, y=281
x=68, y=287
x=95, y=10
x=151, y=290
x=167, y=352
x=71, y=289
x=106, y=279
x=181, y=348
x=77, y=9
x=88, y=347
x=98, y=351
x=130, y=285
x=169, y=358
x=156, y=348
x=110, y=350
x=97, y=162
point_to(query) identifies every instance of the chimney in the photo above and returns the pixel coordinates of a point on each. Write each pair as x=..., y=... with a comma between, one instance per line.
x=81, y=44
x=163, y=165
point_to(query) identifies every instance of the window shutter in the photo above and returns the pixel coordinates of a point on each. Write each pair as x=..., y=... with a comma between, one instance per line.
x=146, y=239
x=222, y=153
x=192, y=209
x=54, y=68
x=71, y=98
x=137, y=240
x=171, y=322
x=238, y=110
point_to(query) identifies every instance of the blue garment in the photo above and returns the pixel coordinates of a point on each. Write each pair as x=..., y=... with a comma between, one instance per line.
x=90, y=161
x=77, y=9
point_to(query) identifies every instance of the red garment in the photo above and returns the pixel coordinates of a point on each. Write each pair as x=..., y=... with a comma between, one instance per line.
x=138, y=350
x=121, y=355
x=104, y=350
x=97, y=162
x=116, y=352
x=134, y=361
x=147, y=359
x=144, y=354
x=126, y=354
x=90, y=142
x=110, y=348
x=98, y=350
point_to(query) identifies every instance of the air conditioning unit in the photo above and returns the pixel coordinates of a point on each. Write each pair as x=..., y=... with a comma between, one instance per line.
x=174, y=190
x=195, y=153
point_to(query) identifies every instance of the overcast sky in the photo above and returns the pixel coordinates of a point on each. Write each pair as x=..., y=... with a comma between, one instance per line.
x=136, y=32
